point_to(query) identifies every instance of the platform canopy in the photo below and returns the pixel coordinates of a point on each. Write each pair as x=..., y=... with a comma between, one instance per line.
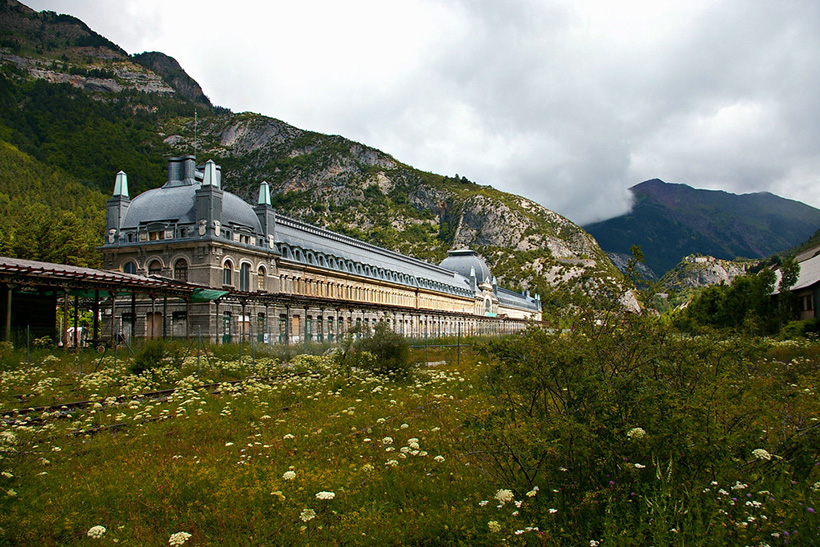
x=79, y=281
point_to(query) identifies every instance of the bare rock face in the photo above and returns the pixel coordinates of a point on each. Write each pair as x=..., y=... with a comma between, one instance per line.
x=695, y=272
x=172, y=72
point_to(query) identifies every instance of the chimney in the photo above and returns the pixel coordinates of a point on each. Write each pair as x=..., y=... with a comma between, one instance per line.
x=208, y=200
x=182, y=170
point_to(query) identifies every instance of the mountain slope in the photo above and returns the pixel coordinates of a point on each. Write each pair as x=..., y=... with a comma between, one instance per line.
x=76, y=102
x=670, y=221
x=45, y=214
x=364, y=192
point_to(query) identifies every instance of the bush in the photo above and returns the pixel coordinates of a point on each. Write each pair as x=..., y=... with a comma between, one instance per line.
x=44, y=342
x=799, y=329
x=383, y=352
x=149, y=357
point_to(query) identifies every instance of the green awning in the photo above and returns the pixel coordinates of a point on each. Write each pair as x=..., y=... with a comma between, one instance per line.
x=206, y=295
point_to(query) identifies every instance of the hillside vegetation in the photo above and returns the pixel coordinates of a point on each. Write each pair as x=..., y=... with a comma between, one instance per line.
x=45, y=214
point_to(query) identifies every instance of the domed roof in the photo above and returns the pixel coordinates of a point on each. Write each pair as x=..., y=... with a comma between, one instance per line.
x=463, y=260
x=176, y=202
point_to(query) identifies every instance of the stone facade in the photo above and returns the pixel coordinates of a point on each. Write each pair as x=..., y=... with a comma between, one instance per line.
x=280, y=279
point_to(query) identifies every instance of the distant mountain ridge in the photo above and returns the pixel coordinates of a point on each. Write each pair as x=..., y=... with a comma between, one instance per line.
x=670, y=221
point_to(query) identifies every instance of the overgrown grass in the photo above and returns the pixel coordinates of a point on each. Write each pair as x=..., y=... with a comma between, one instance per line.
x=243, y=464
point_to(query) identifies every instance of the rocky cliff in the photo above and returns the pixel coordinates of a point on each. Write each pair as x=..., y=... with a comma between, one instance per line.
x=697, y=271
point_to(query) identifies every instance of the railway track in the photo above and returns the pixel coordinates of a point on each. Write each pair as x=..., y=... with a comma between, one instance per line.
x=64, y=409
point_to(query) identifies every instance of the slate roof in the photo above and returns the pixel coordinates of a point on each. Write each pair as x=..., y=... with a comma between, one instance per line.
x=517, y=300
x=809, y=273
x=309, y=237
x=463, y=260
x=175, y=202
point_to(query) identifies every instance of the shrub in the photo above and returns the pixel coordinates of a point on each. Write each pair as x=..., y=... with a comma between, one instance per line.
x=383, y=352
x=799, y=329
x=44, y=342
x=149, y=357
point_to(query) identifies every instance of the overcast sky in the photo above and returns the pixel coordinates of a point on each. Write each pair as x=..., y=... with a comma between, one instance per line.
x=566, y=102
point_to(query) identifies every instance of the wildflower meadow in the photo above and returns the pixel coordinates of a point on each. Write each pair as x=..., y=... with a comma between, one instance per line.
x=637, y=437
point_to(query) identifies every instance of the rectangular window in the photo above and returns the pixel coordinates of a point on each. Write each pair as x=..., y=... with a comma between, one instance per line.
x=295, y=325
x=261, y=327
x=244, y=277
x=283, y=328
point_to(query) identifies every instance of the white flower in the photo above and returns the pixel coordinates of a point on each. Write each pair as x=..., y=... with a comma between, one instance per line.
x=636, y=433
x=439, y=458
x=761, y=454
x=287, y=436
x=494, y=526
x=482, y=503
x=533, y=492
x=289, y=475
x=404, y=426
x=387, y=440
x=307, y=514
x=552, y=511
x=179, y=538
x=639, y=466
x=324, y=495
x=228, y=444
x=504, y=495
x=96, y=532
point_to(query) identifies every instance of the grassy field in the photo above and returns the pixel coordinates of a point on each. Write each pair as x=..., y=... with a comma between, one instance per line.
x=303, y=453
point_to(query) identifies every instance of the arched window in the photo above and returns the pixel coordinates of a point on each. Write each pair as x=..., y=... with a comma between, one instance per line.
x=155, y=267
x=244, y=277
x=227, y=273
x=130, y=267
x=181, y=270
x=260, y=278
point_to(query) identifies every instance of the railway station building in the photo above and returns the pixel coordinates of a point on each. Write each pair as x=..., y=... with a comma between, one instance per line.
x=259, y=273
